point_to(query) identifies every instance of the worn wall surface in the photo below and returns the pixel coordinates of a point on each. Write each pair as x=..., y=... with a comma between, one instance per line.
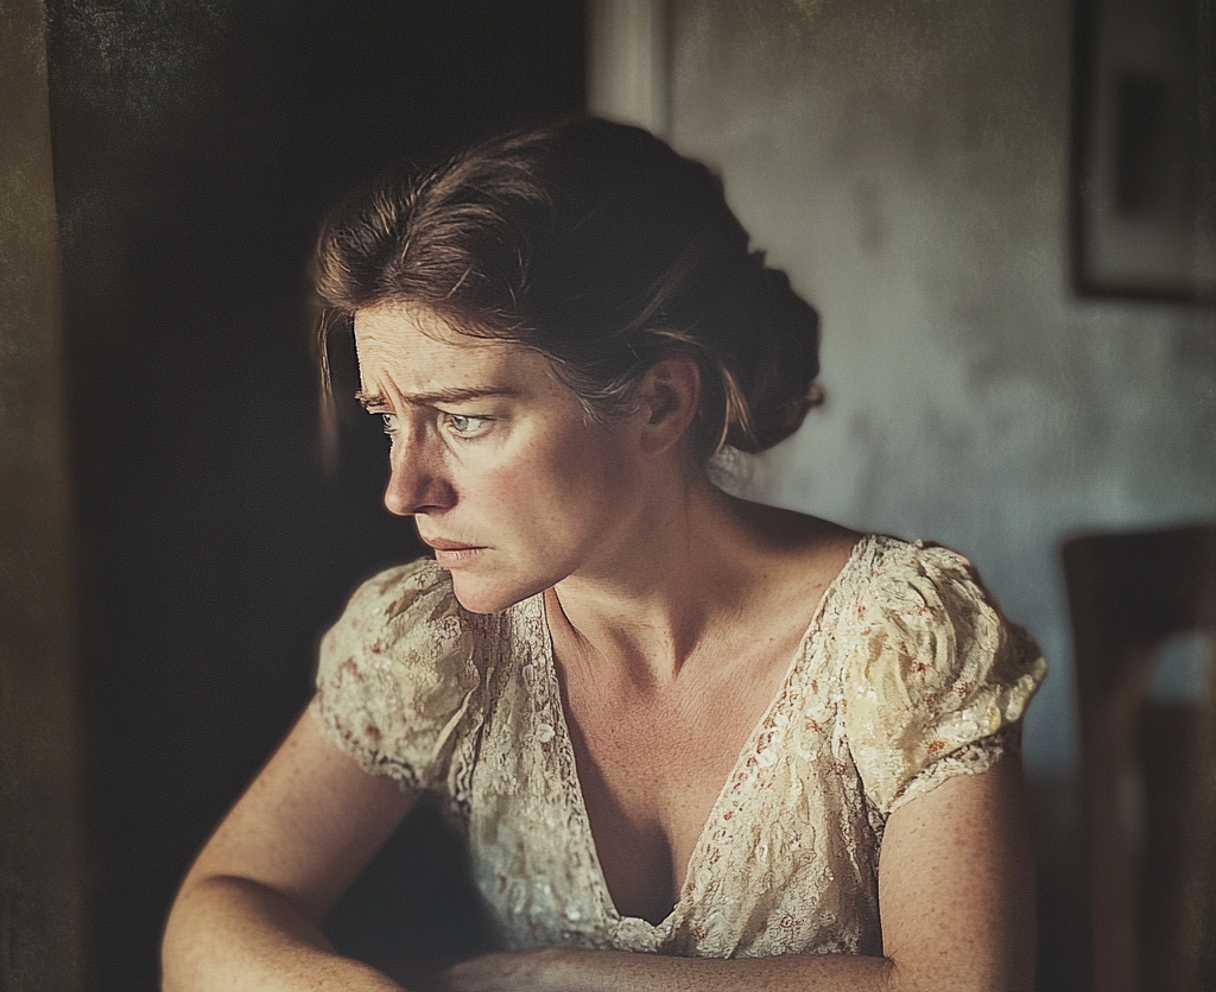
x=907, y=165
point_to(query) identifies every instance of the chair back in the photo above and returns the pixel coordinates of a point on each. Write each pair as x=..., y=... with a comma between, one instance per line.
x=1148, y=768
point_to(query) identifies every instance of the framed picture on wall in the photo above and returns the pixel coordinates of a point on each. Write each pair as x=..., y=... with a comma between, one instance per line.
x=1143, y=184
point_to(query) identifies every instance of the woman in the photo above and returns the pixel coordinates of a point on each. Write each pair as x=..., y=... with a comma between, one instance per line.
x=693, y=742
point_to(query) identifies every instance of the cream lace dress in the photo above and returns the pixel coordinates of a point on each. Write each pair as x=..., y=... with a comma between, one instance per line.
x=907, y=674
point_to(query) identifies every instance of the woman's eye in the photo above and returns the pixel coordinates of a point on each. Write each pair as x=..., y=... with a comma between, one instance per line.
x=465, y=426
x=390, y=423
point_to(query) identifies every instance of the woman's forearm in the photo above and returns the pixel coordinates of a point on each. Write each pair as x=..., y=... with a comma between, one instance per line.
x=227, y=934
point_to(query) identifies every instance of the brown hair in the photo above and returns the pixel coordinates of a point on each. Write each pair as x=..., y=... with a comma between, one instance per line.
x=599, y=247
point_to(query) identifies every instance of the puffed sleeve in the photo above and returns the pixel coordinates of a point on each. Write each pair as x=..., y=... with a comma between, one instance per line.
x=398, y=674
x=939, y=679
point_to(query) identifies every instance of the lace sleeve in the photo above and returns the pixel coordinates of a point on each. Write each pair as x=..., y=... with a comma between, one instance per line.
x=939, y=679
x=397, y=673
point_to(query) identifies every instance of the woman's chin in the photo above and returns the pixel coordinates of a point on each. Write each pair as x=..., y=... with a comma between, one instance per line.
x=482, y=596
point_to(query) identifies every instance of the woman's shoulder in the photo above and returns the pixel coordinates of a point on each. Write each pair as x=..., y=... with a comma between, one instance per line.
x=404, y=619
x=920, y=578
x=909, y=593
x=888, y=553
x=796, y=549
x=930, y=666
x=396, y=590
x=876, y=573
x=398, y=667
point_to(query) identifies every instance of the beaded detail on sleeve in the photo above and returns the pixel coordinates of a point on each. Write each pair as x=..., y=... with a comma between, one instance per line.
x=907, y=675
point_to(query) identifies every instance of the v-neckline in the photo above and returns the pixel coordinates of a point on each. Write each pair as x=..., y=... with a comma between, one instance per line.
x=738, y=772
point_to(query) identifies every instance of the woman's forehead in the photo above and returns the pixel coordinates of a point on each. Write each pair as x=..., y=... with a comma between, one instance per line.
x=414, y=350
x=389, y=321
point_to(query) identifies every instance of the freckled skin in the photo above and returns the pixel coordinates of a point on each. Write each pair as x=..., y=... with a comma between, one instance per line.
x=536, y=486
x=674, y=611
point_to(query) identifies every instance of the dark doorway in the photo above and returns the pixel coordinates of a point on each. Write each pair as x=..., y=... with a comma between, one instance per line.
x=196, y=148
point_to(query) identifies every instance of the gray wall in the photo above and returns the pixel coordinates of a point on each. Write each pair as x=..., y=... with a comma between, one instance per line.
x=907, y=165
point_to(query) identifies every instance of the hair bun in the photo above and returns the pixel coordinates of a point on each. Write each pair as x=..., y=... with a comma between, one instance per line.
x=777, y=366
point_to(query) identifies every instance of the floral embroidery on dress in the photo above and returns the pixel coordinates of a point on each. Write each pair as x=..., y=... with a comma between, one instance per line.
x=907, y=675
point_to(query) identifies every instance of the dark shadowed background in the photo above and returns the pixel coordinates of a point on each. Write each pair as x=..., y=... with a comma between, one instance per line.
x=196, y=148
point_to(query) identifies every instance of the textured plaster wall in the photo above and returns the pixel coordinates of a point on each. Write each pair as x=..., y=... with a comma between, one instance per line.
x=907, y=165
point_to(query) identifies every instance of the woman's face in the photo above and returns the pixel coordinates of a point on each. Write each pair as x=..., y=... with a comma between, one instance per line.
x=495, y=458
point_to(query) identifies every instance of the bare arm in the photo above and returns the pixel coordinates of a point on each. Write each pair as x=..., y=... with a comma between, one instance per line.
x=956, y=898
x=248, y=912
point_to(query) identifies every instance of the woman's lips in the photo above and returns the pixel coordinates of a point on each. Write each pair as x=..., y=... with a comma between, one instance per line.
x=449, y=553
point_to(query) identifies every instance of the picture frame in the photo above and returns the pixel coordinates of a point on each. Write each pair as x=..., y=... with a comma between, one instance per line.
x=1143, y=156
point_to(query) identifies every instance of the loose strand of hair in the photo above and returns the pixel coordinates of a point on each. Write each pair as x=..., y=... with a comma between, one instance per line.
x=327, y=407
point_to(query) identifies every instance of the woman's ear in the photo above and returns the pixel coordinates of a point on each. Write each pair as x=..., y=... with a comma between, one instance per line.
x=668, y=399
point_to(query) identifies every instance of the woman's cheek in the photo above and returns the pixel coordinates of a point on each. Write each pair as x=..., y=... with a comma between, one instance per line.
x=509, y=490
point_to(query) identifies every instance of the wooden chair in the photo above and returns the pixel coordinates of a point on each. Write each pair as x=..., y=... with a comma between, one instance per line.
x=1149, y=769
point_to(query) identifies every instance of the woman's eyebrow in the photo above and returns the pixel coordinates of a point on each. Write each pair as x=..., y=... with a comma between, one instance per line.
x=455, y=395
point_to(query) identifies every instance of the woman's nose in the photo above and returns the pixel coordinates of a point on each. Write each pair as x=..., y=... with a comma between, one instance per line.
x=415, y=483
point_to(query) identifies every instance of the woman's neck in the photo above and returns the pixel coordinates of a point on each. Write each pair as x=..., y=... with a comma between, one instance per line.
x=692, y=570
